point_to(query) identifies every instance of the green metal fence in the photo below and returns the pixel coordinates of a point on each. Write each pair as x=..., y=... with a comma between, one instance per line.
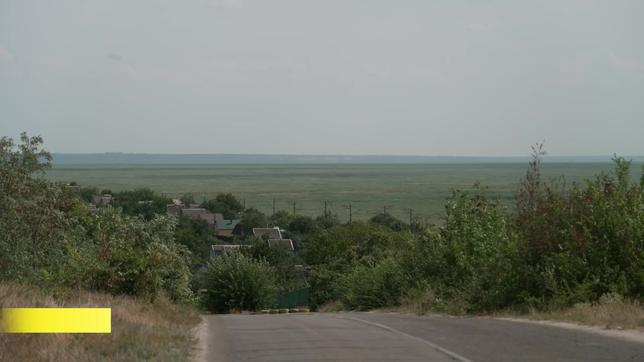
x=294, y=298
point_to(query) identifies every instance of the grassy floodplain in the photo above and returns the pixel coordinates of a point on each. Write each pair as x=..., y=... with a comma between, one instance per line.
x=367, y=187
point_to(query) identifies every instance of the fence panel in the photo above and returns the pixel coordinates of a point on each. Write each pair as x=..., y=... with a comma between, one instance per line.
x=293, y=299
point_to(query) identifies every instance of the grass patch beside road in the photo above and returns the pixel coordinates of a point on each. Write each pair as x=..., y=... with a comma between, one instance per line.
x=159, y=331
x=618, y=315
x=612, y=314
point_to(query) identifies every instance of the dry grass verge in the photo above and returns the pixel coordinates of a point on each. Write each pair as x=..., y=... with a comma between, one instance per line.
x=608, y=313
x=159, y=331
x=618, y=315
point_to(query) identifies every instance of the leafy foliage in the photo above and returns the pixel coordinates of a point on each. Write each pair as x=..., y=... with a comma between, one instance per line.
x=253, y=218
x=197, y=236
x=226, y=204
x=49, y=238
x=235, y=281
x=388, y=221
x=373, y=286
x=143, y=202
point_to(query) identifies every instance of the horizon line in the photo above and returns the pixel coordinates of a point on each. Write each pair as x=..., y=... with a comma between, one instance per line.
x=338, y=155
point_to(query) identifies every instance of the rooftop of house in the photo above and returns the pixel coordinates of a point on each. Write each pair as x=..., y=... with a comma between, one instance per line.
x=282, y=243
x=223, y=247
x=194, y=211
x=220, y=249
x=271, y=233
x=226, y=224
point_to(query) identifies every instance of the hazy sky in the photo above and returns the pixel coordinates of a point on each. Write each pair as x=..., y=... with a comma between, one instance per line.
x=330, y=77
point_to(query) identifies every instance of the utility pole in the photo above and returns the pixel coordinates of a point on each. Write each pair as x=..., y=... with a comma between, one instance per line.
x=350, y=213
x=293, y=208
x=410, y=215
x=273, y=207
x=325, y=209
x=244, y=204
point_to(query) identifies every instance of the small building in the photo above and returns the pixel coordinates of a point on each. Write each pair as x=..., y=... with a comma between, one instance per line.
x=225, y=228
x=104, y=199
x=281, y=243
x=194, y=212
x=268, y=233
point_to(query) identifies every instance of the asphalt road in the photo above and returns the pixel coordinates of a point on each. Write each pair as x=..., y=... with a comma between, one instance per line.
x=401, y=337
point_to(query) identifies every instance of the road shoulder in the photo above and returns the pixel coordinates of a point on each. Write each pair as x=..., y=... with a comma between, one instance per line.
x=213, y=343
x=630, y=335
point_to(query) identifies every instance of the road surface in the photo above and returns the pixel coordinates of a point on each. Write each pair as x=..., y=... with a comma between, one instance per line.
x=401, y=337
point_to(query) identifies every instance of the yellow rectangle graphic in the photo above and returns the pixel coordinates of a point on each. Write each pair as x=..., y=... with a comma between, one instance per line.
x=56, y=320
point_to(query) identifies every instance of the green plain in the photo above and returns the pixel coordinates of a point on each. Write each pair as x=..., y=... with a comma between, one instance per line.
x=367, y=187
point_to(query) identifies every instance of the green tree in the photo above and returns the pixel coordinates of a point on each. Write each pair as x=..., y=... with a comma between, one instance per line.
x=225, y=204
x=281, y=218
x=144, y=202
x=253, y=218
x=197, y=236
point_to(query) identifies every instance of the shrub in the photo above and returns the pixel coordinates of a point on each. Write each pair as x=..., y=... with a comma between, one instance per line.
x=49, y=238
x=373, y=286
x=472, y=258
x=128, y=255
x=389, y=221
x=235, y=281
x=581, y=242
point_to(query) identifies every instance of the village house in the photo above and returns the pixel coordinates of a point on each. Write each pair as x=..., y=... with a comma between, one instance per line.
x=199, y=213
x=193, y=212
x=225, y=228
x=104, y=199
x=273, y=237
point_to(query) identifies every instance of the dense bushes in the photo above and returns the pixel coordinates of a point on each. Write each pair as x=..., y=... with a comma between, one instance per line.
x=373, y=286
x=141, y=202
x=235, y=281
x=336, y=252
x=472, y=258
x=49, y=238
x=582, y=242
x=130, y=256
x=560, y=245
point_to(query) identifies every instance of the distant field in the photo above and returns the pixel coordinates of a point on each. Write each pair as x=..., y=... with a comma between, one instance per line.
x=367, y=187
